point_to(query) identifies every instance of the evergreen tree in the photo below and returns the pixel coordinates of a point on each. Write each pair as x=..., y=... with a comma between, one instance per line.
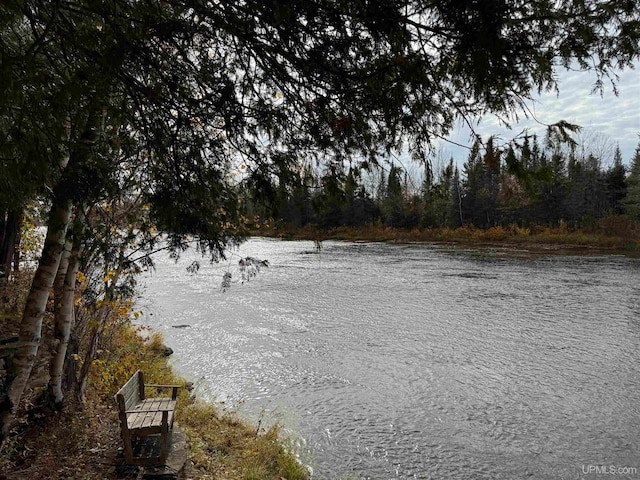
x=392, y=205
x=472, y=172
x=428, y=197
x=586, y=198
x=457, y=215
x=360, y=209
x=632, y=201
x=513, y=197
x=526, y=155
x=441, y=206
x=616, y=188
x=296, y=207
x=330, y=203
x=481, y=186
x=552, y=198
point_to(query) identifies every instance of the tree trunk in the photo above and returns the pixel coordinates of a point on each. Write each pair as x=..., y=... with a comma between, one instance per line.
x=16, y=244
x=9, y=229
x=64, y=315
x=58, y=291
x=92, y=349
x=58, y=283
x=31, y=325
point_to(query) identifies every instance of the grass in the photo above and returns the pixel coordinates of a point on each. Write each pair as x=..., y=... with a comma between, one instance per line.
x=225, y=447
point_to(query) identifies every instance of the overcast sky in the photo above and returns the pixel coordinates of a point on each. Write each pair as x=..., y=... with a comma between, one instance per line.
x=614, y=118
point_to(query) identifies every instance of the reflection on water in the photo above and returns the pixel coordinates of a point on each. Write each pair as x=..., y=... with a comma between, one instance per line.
x=406, y=362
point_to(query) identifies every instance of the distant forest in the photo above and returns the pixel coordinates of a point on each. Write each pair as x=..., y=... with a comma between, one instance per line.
x=532, y=183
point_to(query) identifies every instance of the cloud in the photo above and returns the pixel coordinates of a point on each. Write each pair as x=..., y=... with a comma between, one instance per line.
x=616, y=117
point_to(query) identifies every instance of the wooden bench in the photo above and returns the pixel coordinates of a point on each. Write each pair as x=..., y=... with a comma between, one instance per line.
x=144, y=417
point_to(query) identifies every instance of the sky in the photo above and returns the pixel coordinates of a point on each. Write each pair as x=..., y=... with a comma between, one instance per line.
x=610, y=118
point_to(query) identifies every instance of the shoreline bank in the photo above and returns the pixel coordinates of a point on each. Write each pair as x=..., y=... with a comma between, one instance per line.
x=533, y=241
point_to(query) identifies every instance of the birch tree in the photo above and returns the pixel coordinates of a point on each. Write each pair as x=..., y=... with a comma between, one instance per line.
x=65, y=311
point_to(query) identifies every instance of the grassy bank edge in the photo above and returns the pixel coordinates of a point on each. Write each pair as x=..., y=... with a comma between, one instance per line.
x=610, y=236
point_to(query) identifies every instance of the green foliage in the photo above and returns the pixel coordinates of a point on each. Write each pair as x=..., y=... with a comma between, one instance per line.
x=438, y=198
x=528, y=184
x=481, y=172
x=31, y=237
x=632, y=200
x=329, y=204
x=392, y=205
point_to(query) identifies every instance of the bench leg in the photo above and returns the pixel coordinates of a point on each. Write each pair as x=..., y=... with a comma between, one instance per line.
x=164, y=437
x=128, y=449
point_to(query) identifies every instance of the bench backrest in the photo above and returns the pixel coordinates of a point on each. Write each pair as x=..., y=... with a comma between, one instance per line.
x=131, y=393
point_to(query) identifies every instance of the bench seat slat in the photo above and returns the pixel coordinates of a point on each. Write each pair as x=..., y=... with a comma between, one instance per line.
x=149, y=406
x=150, y=419
x=148, y=414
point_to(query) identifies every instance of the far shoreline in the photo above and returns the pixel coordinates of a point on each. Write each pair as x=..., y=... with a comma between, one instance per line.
x=501, y=241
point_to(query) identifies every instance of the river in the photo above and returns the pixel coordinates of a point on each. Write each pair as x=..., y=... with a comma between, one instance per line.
x=414, y=361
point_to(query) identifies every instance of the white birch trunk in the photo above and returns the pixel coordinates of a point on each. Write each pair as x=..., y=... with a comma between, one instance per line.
x=64, y=321
x=58, y=283
x=31, y=325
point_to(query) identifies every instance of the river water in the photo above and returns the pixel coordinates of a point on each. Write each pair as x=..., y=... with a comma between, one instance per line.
x=401, y=362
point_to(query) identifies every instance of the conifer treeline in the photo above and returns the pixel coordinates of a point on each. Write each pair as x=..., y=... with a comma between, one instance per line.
x=531, y=183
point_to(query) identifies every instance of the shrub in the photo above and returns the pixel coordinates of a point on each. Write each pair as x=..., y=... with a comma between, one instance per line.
x=618, y=226
x=495, y=233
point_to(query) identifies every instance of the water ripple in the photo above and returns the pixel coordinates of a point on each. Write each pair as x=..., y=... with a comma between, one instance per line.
x=400, y=362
